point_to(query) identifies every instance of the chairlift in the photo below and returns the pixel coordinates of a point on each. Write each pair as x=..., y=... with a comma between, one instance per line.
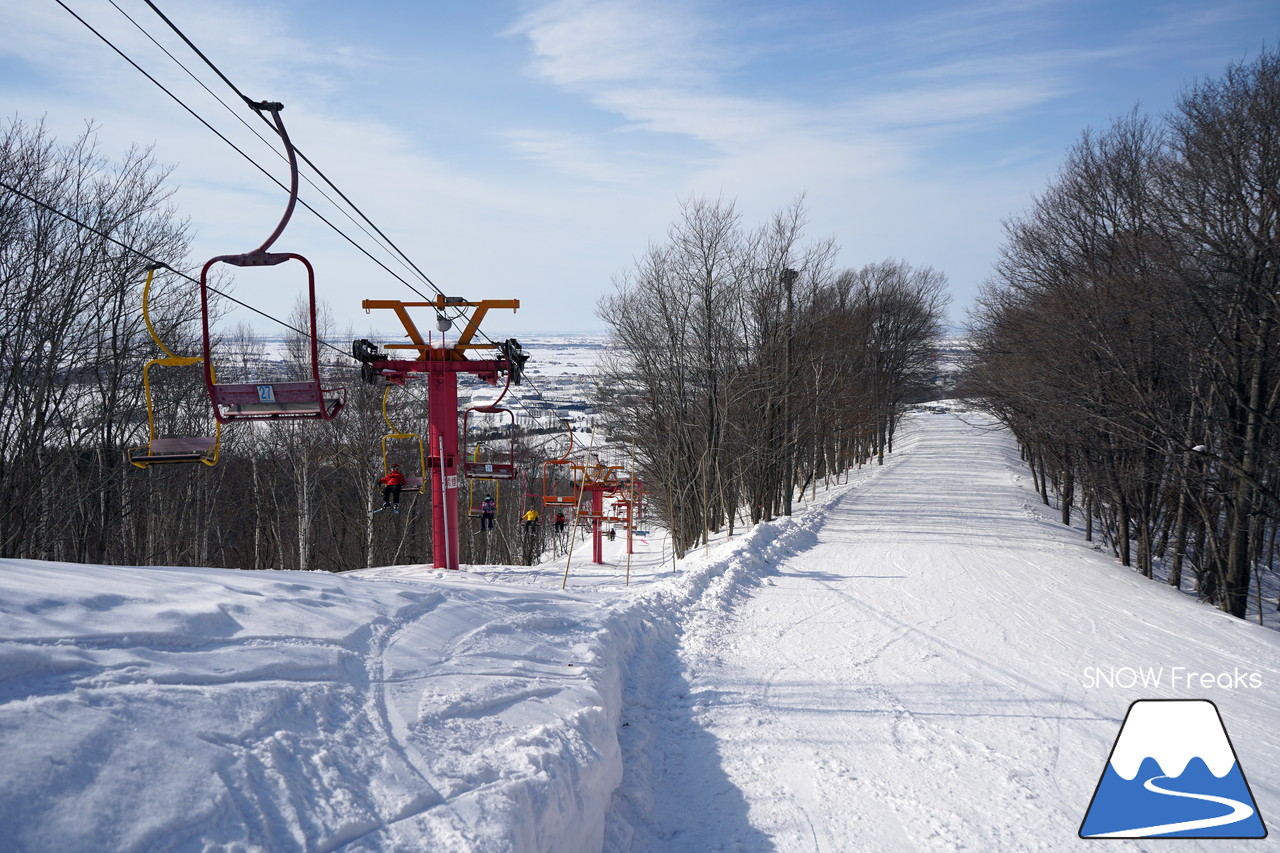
x=412, y=483
x=556, y=473
x=476, y=496
x=169, y=449
x=271, y=401
x=503, y=467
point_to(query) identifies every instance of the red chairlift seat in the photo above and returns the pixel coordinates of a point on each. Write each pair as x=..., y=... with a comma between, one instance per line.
x=489, y=470
x=275, y=401
x=160, y=450
x=271, y=401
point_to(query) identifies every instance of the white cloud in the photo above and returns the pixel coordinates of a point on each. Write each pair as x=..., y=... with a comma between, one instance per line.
x=588, y=42
x=954, y=105
x=631, y=105
x=572, y=154
x=618, y=54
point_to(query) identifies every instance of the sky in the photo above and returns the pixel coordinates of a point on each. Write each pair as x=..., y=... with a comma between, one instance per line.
x=532, y=149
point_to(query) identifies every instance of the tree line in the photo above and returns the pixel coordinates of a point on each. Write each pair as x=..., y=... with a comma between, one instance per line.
x=73, y=342
x=1129, y=335
x=744, y=367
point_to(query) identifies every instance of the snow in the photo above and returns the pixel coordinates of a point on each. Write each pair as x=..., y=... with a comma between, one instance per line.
x=293, y=711
x=920, y=659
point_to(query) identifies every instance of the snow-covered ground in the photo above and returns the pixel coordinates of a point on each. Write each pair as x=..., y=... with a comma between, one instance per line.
x=921, y=659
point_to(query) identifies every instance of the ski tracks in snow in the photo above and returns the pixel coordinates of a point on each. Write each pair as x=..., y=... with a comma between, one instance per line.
x=898, y=669
x=381, y=710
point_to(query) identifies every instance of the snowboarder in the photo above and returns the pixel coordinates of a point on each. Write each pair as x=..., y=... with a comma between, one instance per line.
x=488, y=507
x=391, y=486
x=530, y=520
x=560, y=522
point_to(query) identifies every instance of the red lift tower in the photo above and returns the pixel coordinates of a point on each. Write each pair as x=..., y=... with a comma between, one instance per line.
x=599, y=481
x=442, y=364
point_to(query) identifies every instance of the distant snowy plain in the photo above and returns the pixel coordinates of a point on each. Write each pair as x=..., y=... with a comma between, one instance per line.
x=909, y=663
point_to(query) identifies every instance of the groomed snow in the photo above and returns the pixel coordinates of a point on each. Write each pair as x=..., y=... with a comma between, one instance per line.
x=908, y=667
x=907, y=664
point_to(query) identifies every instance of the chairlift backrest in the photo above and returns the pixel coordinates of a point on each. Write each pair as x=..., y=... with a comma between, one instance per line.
x=412, y=482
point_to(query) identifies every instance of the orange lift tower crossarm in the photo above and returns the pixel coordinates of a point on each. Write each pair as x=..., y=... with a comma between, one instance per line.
x=426, y=352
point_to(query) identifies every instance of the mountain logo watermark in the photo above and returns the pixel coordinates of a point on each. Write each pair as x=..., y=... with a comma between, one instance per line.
x=1172, y=773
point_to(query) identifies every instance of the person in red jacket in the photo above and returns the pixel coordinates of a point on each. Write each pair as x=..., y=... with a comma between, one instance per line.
x=391, y=486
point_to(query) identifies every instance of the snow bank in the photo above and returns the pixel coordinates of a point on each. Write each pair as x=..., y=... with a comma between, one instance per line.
x=397, y=708
x=195, y=709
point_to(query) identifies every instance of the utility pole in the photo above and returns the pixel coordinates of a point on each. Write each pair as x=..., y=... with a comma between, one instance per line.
x=789, y=277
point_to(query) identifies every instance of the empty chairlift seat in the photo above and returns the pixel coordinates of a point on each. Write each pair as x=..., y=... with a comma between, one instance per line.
x=270, y=401
x=275, y=401
x=193, y=449
x=170, y=449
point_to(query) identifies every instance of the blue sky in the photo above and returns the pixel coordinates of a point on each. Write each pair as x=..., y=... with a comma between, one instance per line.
x=532, y=149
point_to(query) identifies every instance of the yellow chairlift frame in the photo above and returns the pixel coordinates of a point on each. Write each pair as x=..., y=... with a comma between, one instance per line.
x=475, y=508
x=173, y=449
x=412, y=483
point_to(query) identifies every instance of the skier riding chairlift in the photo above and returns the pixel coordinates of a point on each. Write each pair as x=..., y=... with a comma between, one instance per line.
x=391, y=486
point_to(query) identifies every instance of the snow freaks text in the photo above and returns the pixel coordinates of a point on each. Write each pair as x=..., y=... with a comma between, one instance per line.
x=1173, y=677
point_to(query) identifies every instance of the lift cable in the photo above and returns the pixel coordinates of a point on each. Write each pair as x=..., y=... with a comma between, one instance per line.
x=261, y=138
x=405, y=259
x=6, y=185
x=141, y=254
x=238, y=150
x=457, y=313
x=387, y=240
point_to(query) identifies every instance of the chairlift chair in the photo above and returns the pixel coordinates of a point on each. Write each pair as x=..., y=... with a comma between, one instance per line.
x=504, y=468
x=475, y=499
x=170, y=449
x=501, y=468
x=271, y=401
x=412, y=483
x=552, y=477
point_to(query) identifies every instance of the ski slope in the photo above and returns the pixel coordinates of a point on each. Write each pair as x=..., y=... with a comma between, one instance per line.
x=913, y=674
x=911, y=663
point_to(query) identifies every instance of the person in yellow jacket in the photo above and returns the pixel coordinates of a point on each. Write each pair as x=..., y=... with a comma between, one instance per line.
x=530, y=519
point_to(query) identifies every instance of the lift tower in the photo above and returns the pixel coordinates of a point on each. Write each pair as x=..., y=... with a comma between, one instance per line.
x=442, y=364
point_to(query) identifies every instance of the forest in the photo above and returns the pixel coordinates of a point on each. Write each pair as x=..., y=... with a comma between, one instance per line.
x=1129, y=335
x=757, y=332
x=746, y=368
